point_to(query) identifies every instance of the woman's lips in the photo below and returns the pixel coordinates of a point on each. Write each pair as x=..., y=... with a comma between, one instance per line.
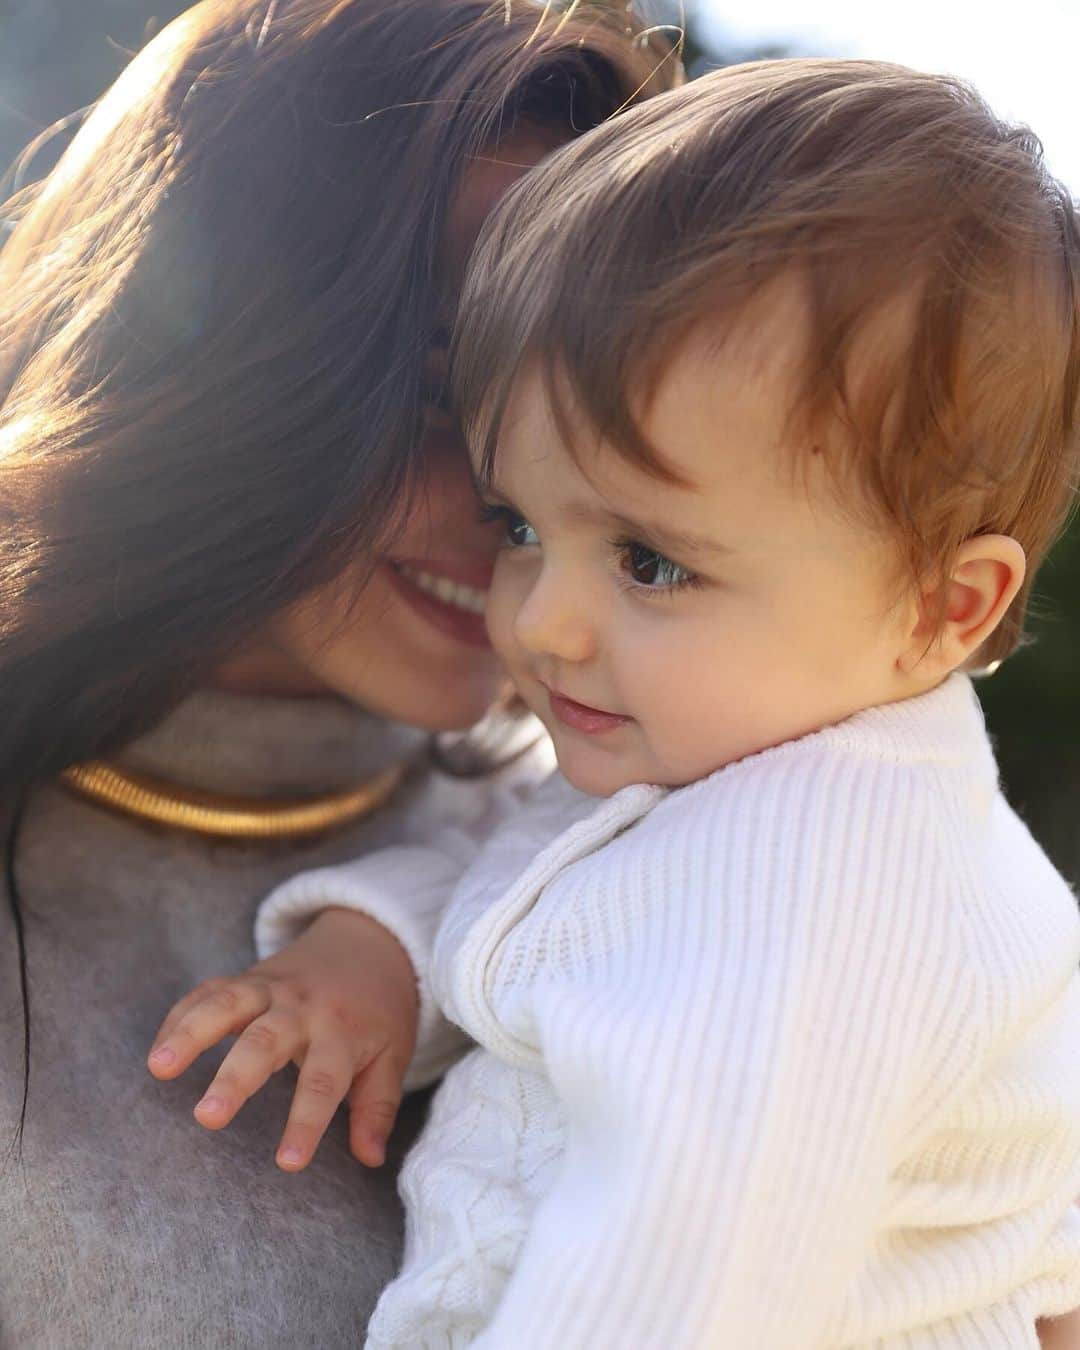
x=580, y=717
x=475, y=572
x=450, y=595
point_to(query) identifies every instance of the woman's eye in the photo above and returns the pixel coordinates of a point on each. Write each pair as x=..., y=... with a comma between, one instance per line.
x=436, y=396
x=649, y=568
x=435, y=387
x=437, y=411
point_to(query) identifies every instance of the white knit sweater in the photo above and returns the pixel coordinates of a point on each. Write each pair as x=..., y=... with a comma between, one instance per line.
x=787, y=1059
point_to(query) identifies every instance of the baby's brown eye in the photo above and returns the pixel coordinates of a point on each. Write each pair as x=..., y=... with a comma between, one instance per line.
x=644, y=564
x=518, y=531
x=649, y=568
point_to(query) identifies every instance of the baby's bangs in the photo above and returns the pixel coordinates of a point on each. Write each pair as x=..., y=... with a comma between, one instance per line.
x=540, y=306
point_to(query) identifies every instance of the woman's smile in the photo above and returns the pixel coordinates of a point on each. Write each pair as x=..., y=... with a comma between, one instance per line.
x=449, y=595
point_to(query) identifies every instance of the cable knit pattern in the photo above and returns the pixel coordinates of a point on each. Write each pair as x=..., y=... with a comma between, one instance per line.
x=784, y=1059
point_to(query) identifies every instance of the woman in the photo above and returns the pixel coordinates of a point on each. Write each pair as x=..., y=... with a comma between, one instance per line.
x=239, y=583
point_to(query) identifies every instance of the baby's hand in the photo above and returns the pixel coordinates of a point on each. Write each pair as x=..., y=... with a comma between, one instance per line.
x=1063, y=1333
x=340, y=1001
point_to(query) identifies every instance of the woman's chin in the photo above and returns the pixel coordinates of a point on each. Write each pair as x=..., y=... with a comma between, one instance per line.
x=430, y=696
x=444, y=716
x=389, y=647
x=439, y=671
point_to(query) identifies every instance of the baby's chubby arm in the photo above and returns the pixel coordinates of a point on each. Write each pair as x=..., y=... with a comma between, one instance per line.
x=1060, y=1333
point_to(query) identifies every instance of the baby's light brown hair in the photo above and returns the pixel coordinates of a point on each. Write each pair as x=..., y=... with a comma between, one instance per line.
x=878, y=187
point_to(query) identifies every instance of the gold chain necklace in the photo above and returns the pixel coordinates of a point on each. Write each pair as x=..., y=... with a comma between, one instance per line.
x=228, y=817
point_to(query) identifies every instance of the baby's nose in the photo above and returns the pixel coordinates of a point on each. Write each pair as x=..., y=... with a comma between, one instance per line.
x=556, y=618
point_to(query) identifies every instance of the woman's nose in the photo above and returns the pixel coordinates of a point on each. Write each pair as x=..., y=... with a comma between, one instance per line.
x=556, y=617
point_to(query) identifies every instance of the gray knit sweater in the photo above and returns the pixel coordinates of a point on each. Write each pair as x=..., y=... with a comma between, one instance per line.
x=124, y=1224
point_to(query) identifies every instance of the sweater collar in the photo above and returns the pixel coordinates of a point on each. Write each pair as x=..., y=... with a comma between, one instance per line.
x=945, y=726
x=261, y=745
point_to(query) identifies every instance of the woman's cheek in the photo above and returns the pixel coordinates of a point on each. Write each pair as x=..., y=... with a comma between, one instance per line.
x=504, y=601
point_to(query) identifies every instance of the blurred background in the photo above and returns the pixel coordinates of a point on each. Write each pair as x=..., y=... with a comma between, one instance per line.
x=56, y=56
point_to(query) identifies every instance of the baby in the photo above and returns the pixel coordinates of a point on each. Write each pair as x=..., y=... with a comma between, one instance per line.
x=773, y=386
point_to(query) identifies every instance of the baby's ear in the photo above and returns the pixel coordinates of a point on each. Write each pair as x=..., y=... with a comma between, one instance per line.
x=988, y=573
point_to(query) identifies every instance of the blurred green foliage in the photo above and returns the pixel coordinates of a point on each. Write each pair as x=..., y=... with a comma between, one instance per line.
x=56, y=56
x=1033, y=707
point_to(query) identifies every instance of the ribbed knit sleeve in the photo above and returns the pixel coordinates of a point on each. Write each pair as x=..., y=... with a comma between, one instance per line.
x=406, y=888
x=776, y=995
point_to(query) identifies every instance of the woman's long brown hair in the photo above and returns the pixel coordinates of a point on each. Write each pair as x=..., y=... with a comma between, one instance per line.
x=213, y=321
x=214, y=316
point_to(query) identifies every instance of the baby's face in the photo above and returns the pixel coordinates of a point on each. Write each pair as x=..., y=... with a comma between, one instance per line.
x=661, y=632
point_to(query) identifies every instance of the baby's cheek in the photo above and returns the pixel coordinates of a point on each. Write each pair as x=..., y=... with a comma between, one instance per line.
x=701, y=730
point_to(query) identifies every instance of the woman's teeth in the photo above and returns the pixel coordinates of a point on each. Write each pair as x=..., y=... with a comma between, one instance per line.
x=449, y=592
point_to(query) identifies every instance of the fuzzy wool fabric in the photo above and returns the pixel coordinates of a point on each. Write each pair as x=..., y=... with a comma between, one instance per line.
x=788, y=1059
x=124, y=1223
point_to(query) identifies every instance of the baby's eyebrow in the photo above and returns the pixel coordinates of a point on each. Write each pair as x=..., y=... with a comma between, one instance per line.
x=659, y=533
x=486, y=489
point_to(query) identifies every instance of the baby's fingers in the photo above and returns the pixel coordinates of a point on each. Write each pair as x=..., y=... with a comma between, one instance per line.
x=324, y=1080
x=266, y=1046
x=201, y=1019
x=373, y=1107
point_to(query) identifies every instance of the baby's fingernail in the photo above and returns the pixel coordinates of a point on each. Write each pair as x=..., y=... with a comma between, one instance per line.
x=290, y=1157
x=163, y=1055
x=212, y=1104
